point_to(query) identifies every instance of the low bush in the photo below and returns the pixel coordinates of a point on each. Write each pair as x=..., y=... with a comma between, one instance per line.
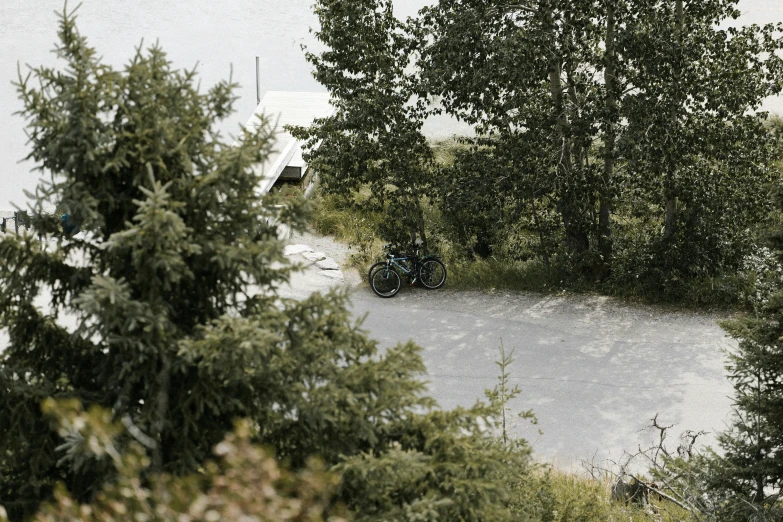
x=497, y=274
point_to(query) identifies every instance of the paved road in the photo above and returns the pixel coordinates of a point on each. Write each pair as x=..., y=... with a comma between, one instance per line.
x=594, y=371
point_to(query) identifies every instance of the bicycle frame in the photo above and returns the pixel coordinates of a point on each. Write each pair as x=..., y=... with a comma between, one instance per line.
x=391, y=260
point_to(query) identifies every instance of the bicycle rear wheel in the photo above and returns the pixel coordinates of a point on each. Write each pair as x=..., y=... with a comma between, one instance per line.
x=385, y=282
x=432, y=274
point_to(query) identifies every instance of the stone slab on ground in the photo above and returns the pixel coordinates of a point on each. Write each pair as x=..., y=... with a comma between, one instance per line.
x=328, y=264
x=292, y=250
x=314, y=256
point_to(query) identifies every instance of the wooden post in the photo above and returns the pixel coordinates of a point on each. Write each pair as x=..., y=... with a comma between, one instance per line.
x=258, y=81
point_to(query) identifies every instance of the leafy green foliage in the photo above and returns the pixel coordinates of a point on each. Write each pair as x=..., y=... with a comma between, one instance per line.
x=618, y=141
x=242, y=482
x=529, y=86
x=689, y=124
x=605, y=110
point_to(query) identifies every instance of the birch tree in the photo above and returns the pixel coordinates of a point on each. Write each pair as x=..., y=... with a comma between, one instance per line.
x=374, y=139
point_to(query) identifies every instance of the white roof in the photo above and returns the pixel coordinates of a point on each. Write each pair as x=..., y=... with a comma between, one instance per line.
x=288, y=108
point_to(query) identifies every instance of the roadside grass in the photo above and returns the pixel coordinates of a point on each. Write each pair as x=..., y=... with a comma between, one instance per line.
x=332, y=217
x=724, y=292
x=494, y=274
x=729, y=292
x=337, y=216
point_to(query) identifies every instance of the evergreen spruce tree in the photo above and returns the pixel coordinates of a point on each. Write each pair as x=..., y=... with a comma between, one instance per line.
x=749, y=475
x=154, y=299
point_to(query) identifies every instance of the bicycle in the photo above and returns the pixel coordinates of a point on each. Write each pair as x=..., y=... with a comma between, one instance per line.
x=385, y=279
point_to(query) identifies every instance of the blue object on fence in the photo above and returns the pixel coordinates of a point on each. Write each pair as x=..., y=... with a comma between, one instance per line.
x=68, y=227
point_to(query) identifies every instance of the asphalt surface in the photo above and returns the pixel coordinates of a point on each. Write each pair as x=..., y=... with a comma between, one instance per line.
x=594, y=371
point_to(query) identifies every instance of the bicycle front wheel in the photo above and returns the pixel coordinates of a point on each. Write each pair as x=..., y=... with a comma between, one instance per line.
x=432, y=274
x=385, y=282
x=373, y=268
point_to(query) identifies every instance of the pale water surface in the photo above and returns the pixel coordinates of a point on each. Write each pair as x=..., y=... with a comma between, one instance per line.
x=213, y=33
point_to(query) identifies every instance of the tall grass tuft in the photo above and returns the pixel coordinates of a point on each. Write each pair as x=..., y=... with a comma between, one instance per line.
x=553, y=495
x=495, y=274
